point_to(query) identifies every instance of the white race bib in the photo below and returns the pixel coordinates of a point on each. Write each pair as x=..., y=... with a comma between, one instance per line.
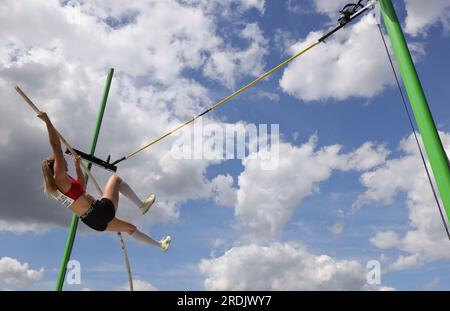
x=62, y=198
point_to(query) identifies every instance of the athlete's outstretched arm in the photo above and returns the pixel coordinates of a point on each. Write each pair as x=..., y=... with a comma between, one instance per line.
x=55, y=143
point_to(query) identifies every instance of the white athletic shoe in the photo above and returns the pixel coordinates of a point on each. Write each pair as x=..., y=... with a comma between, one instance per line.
x=165, y=243
x=147, y=203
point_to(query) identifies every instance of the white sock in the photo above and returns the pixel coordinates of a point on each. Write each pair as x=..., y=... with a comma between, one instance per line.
x=142, y=237
x=126, y=190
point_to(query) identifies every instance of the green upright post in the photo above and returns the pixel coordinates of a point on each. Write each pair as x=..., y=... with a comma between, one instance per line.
x=424, y=119
x=74, y=224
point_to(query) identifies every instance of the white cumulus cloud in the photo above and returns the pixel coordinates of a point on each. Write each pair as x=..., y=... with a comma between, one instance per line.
x=224, y=192
x=385, y=239
x=282, y=266
x=330, y=8
x=230, y=64
x=13, y=272
x=267, y=205
x=425, y=239
x=352, y=63
x=421, y=15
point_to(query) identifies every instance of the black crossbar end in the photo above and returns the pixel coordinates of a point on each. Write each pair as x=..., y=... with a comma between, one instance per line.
x=95, y=160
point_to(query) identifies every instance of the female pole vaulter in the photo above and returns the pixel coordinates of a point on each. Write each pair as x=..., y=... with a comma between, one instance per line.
x=98, y=214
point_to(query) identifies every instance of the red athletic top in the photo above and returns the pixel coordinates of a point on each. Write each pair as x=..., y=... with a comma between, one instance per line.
x=75, y=191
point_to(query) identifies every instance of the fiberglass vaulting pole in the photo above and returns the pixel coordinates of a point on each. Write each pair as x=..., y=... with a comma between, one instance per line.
x=74, y=223
x=431, y=140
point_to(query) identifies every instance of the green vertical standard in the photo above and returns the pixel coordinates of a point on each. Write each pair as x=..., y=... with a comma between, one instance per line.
x=425, y=122
x=74, y=224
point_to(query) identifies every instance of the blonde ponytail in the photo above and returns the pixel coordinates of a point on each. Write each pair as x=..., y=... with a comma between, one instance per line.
x=49, y=181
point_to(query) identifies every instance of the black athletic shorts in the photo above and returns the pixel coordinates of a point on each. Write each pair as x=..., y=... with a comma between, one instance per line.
x=99, y=214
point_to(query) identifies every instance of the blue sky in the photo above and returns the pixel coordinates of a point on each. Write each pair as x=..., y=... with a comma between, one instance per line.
x=274, y=230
